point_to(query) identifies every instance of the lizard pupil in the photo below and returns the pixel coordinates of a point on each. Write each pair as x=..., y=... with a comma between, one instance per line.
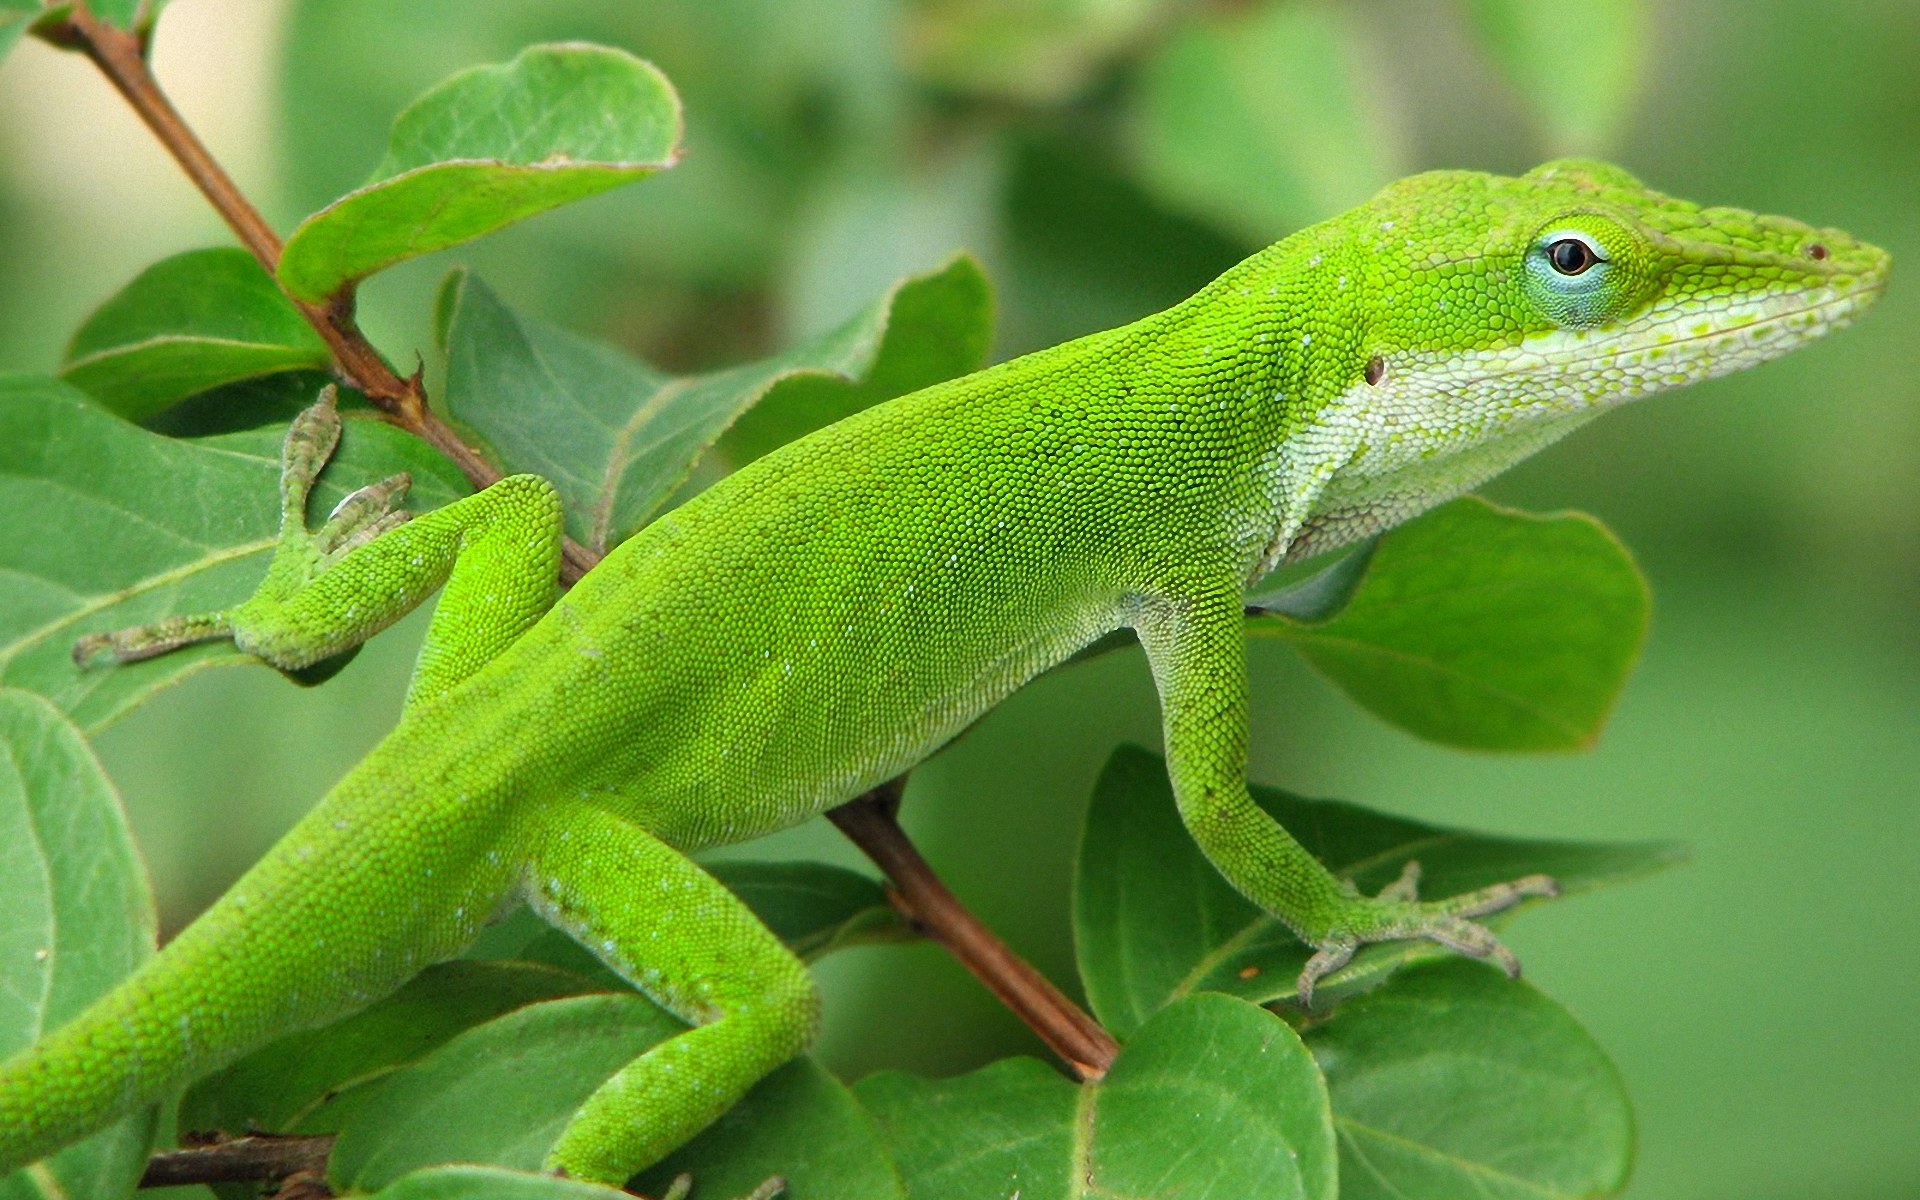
x=1571, y=256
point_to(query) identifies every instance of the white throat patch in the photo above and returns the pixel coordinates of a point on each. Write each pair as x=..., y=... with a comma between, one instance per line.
x=1437, y=424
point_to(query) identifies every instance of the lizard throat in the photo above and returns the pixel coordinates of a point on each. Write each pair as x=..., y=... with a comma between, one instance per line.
x=1439, y=424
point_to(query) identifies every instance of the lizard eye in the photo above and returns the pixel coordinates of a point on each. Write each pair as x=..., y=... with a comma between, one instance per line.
x=1572, y=256
x=1571, y=275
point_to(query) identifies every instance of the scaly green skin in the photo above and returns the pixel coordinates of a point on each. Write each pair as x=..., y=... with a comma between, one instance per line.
x=834, y=613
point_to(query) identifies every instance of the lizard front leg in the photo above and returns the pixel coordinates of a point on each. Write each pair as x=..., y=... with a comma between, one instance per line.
x=1195, y=645
x=329, y=590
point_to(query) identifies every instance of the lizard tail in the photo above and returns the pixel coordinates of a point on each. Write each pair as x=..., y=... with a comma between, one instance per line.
x=116, y=1058
x=279, y=952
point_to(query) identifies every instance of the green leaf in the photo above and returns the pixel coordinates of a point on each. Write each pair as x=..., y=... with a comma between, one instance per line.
x=522, y=937
x=79, y=918
x=1578, y=63
x=258, y=403
x=617, y=436
x=800, y=1123
x=1213, y=1099
x=1154, y=921
x=497, y=1093
x=278, y=1087
x=1484, y=627
x=104, y=525
x=924, y=330
x=488, y=147
x=1454, y=1082
x=814, y=907
x=463, y=1181
x=185, y=325
x=1261, y=120
x=1321, y=595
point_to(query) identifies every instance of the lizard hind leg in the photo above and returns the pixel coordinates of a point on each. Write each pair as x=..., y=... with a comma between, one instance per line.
x=692, y=947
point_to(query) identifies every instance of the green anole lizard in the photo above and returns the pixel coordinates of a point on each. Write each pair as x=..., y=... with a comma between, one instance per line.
x=838, y=610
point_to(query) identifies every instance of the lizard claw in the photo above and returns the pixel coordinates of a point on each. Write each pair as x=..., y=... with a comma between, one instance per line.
x=1397, y=913
x=362, y=516
x=310, y=442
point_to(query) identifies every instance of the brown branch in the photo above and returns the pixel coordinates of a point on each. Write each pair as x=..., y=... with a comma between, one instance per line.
x=869, y=821
x=239, y=1160
x=121, y=56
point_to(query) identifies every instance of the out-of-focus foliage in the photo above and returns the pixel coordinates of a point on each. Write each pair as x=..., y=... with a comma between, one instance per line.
x=1213, y=135
x=1578, y=62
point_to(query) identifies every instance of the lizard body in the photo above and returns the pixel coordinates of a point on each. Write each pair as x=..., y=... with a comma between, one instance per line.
x=836, y=611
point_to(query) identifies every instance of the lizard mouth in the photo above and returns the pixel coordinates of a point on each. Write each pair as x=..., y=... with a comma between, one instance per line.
x=1483, y=409
x=1667, y=349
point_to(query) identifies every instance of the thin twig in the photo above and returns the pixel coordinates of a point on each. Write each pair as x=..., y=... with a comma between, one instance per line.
x=121, y=57
x=870, y=822
x=239, y=1160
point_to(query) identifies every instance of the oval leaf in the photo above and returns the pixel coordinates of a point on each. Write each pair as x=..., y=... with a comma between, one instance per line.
x=498, y=1093
x=184, y=325
x=1454, y=1082
x=277, y=1087
x=1213, y=1099
x=1485, y=627
x=799, y=1123
x=79, y=919
x=815, y=908
x=1261, y=121
x=488, y=147
x=107, y=525
x=617, y=436
x=467, y=1182
x=1154, y=921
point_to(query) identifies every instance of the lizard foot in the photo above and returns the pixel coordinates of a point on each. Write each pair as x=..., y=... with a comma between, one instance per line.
x=300, y=556
x=1397, y=913
x=150, y=641
x=356, y=520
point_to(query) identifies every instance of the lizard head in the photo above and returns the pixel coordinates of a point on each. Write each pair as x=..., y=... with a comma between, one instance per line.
x=1488, y=315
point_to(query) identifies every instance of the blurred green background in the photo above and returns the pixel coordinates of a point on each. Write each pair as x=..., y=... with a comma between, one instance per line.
x=1105, y=157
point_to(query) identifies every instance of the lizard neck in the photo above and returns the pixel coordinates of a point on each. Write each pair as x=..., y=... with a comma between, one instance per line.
x=1265, y=352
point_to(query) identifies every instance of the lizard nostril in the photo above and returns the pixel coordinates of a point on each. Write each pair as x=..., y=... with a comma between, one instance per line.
x=1376, y=369
x=1817, y=251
